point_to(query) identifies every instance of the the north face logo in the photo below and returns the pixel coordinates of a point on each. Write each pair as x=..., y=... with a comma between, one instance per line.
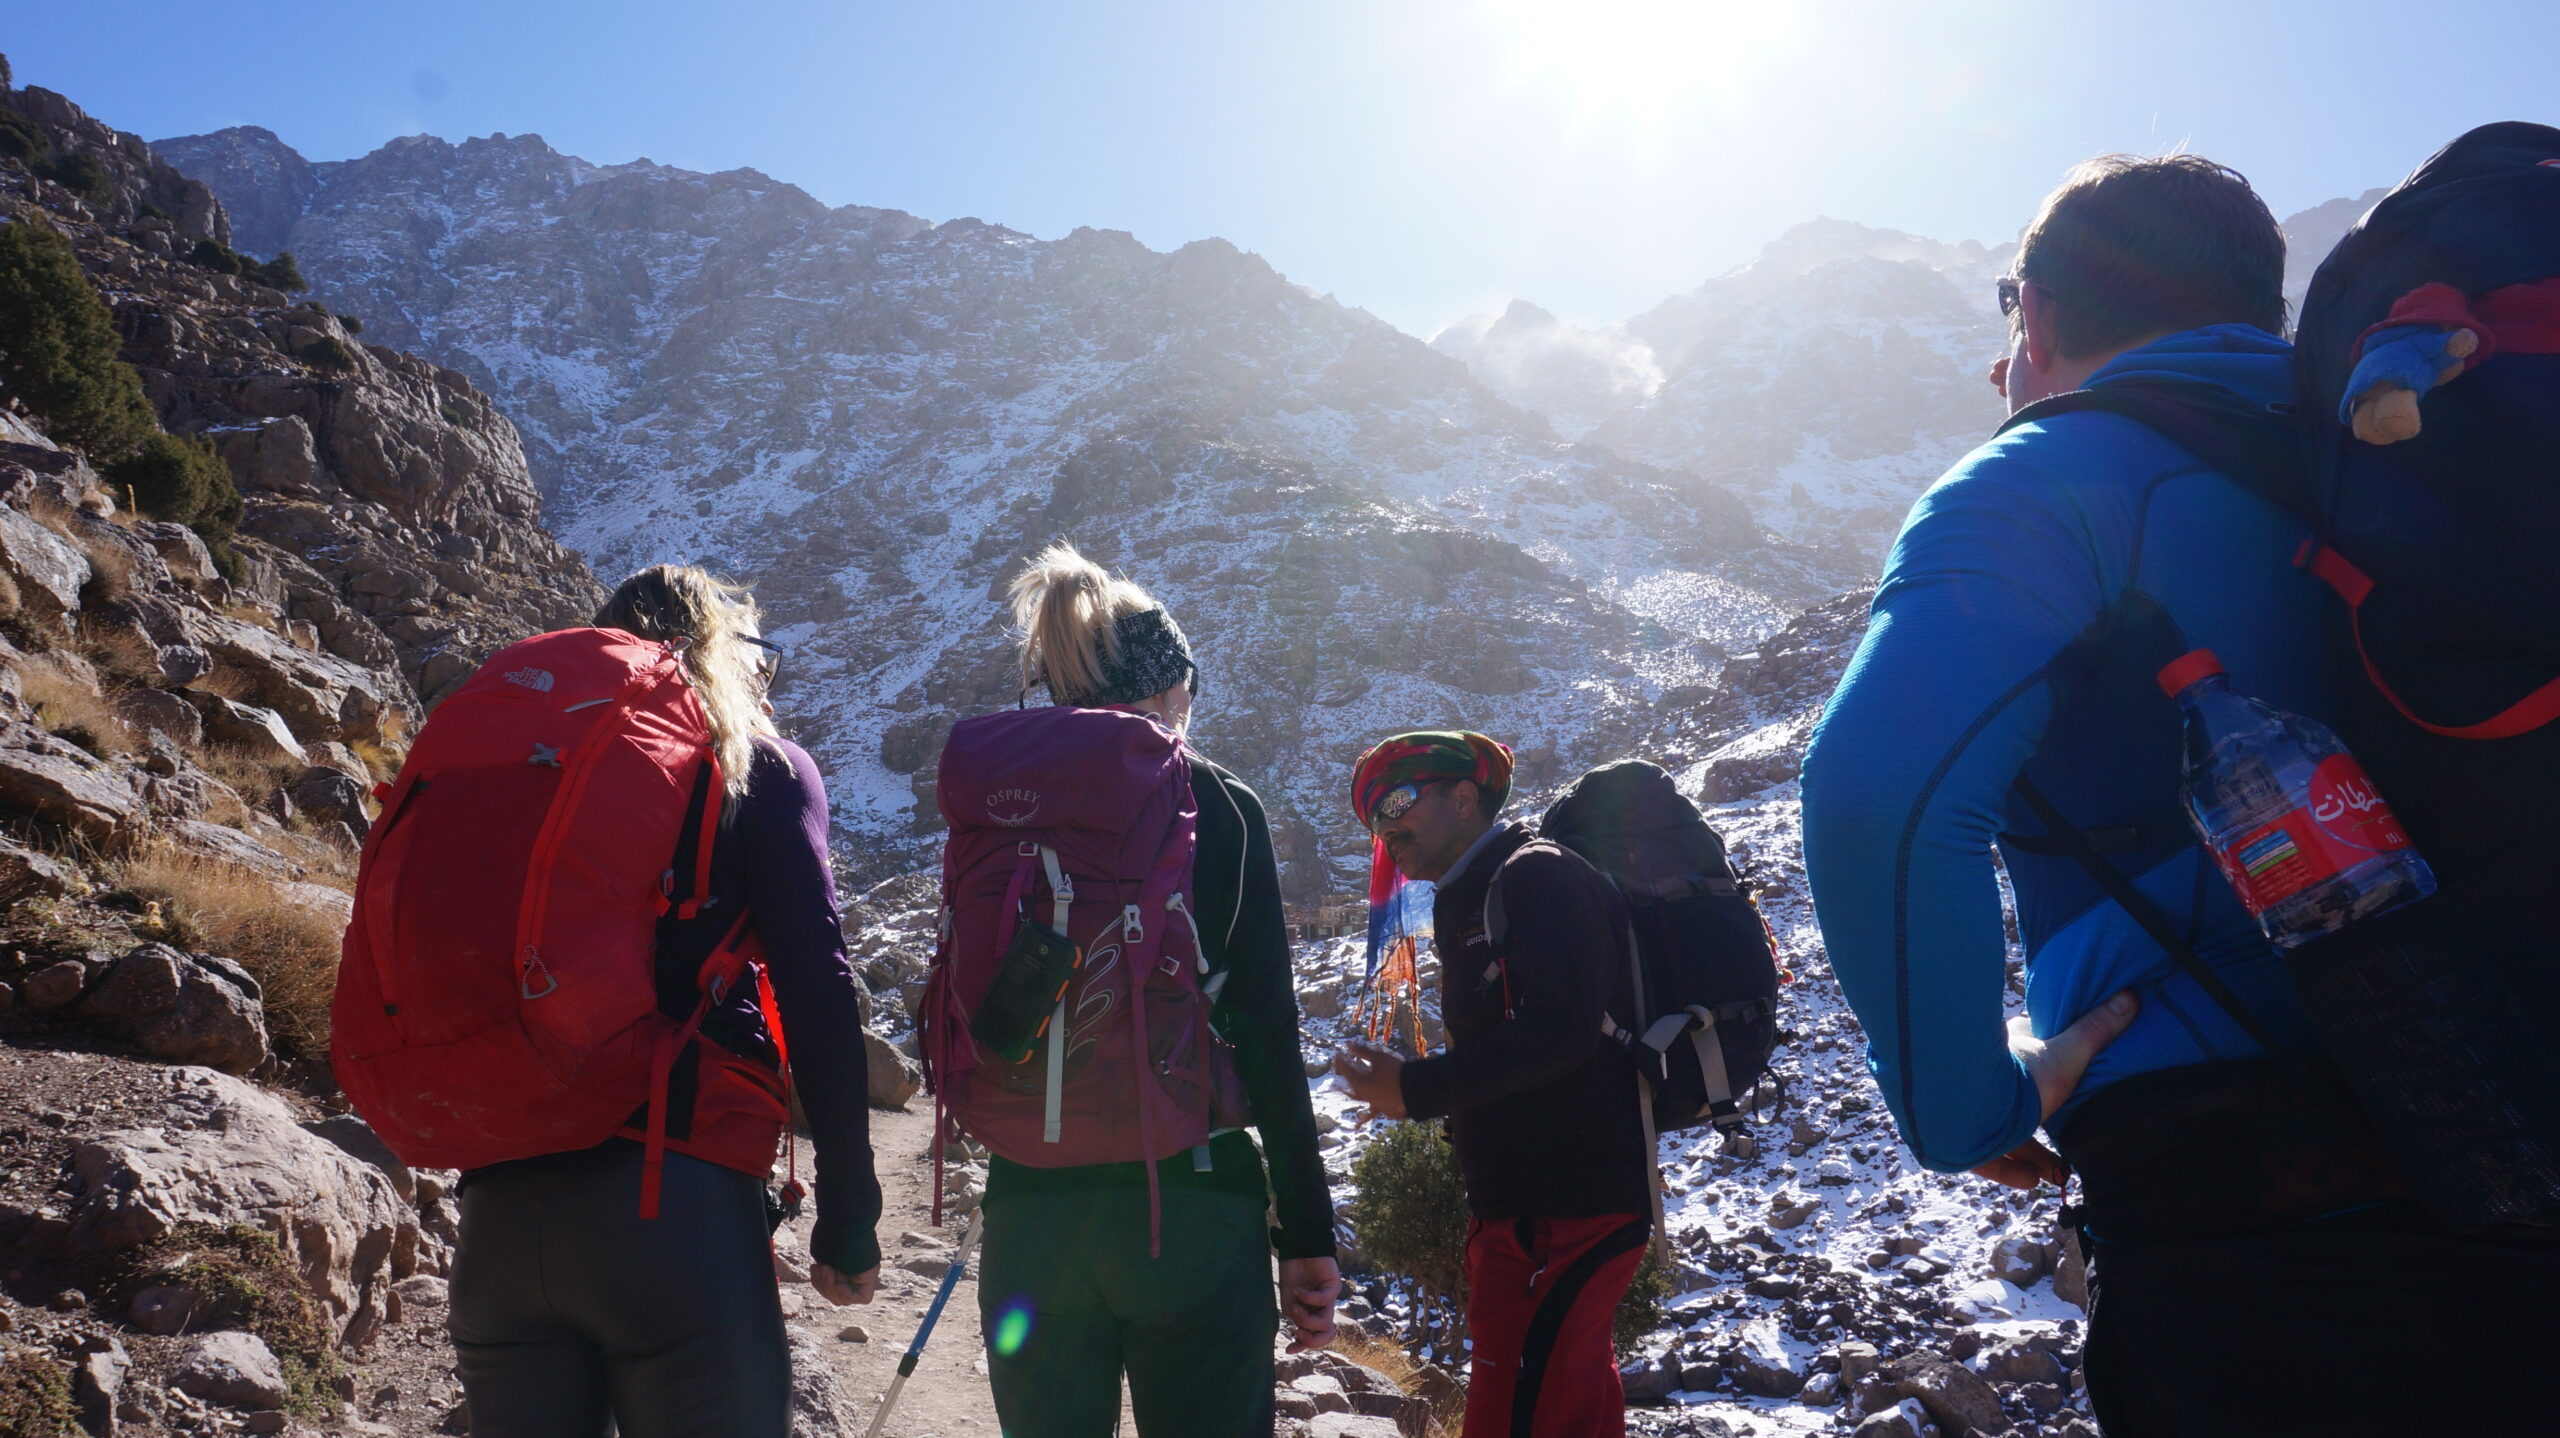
x=1013, y=807
x=538, y=680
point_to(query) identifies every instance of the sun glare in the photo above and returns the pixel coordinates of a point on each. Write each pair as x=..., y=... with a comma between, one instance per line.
x=1640, y=60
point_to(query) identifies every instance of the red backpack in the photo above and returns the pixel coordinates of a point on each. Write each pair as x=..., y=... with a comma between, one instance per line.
x=1081, y=821
x=499, y=994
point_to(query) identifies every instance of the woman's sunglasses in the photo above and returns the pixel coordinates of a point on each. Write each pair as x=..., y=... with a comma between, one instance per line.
x=768, y=659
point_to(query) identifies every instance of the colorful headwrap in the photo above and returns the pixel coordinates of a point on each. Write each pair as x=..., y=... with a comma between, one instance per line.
x=1427, y=754
x=1389, y=777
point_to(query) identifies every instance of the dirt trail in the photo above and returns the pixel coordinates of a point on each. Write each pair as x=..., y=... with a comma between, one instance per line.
x=948, y=1395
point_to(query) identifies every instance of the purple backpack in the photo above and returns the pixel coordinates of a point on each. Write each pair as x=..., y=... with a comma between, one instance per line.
x=1083, y=821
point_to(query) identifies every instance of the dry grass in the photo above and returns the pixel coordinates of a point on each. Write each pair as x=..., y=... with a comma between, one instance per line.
x=1448, y=1401
x=254, y=779
x=287, y=943
x=71, y=710
x=384, y=755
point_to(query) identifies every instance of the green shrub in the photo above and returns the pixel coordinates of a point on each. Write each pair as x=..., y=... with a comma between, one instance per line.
x=328, y=352
x=1640, y=1312
x=1410, y=1216
x=58, y=347
x=20, y=140
x=35, y=1398
x=247, y=1282
x=7, y=78
x=280, y=273
x=82, y=175
x=349, y=323
x=181, y=478
x=216, y=256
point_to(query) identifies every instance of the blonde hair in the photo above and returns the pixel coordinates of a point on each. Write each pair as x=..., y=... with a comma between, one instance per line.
x=669, y=602
x=1064, y=605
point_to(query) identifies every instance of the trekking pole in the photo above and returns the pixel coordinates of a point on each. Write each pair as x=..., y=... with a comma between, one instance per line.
x=915, y=1350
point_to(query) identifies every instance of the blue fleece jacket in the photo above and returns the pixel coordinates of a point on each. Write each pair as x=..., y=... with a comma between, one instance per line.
x=2034, y=592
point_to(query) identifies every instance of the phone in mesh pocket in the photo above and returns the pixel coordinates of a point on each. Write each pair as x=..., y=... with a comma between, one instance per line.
x=1014, y=1016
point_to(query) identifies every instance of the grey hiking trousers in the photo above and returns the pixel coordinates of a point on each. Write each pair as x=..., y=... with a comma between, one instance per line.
x=571, y=1314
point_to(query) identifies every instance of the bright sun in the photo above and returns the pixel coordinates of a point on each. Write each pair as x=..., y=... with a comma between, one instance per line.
x=1640, y=60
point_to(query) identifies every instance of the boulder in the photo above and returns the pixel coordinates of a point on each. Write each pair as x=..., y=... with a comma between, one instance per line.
x=180, y=1011
x=2018, y=1361
x=64, y=784
x=2070, y=1269
x=164, y=1308
x=1791, y=1207
x=225, y=1151
x=55, y=985
x=895, y=1078
x=26, y=873
x=275, y=457
x=330, y=795
x=183, y=663
x=821, y=1406
x=180, y=548
x=234, y=1369
x=319, y=696
x=1905, y=1419
x=1352, y=1425
x=1989, y=1301
x=97, y=1376
x=2022, y=1261
x=1954, y=1395
x=1763, y=1366
x=259, y=732
x=225, y=845
x=157, y=711
x=47, y=572
x=356, y=1138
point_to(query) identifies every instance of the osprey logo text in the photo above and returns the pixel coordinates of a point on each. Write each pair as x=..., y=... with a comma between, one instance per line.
x=1013, y=807
x=537, y=680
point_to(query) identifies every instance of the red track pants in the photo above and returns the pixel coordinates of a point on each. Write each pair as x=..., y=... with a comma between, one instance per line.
x=1541, y=1294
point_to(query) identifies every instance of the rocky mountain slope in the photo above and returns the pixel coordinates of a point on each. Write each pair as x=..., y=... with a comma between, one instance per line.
x=1825, y=383
x=876, y=417
x=193, y=1236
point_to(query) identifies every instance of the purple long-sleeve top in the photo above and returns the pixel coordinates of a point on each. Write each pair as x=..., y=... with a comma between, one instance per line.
x=780, y=838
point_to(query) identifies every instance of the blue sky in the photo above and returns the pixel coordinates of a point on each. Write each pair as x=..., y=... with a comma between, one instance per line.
x=1421, y=158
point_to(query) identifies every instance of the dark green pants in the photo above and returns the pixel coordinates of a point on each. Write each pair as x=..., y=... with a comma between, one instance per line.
x=1069, y=1300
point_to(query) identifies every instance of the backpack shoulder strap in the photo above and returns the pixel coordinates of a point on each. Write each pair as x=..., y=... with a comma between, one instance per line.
x=2258, y=447
x=2134, y=902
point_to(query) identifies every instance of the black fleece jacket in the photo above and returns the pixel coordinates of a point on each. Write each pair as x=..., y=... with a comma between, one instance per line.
x=1236, y=883
x=1541, y=1109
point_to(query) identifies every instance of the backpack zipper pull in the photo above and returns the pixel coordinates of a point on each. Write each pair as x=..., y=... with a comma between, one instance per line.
x=1132, y=927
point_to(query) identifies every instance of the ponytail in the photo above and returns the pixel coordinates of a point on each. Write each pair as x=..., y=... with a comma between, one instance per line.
x=1065, y=607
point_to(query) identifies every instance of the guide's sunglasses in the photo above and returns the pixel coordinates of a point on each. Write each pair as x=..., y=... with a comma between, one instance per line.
x=768, y=659
x=2009, y=287
x=1398, y=802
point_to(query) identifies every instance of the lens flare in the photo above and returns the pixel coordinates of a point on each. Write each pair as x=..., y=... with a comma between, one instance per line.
x=1013, y=1327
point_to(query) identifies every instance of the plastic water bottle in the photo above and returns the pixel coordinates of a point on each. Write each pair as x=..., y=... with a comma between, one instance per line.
x=2287, y=812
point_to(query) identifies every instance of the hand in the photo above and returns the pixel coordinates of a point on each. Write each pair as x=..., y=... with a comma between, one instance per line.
x=2056, y=1065
x=840, y=1290
x=1308, y=1287
x=1376, y=1078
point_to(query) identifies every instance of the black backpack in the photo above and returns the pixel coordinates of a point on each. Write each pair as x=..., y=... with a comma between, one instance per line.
x=1699, y=1013
x=2444, y=549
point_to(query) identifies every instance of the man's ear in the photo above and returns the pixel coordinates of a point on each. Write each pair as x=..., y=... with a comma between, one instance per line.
x=1467, y=797
x=2036, y=318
